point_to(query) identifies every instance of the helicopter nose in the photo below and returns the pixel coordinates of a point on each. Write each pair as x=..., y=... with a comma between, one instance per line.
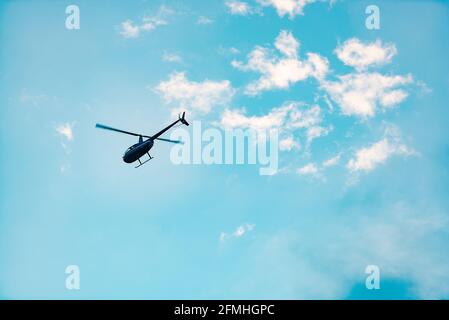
x=126, y=158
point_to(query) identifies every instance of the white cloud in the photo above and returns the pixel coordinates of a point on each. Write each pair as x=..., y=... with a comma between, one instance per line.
x=239, y=232
x=234, y=50
x=332, y=161
x=199, y=97
x=35, y=100
x=301, y=117
x=228, y=50
x=287, y=44
x=316, y=132
x=64, y=168
x=403, y=241
x=128, y=29
x=312, y=169
x=66, y=131
x=287, y=7
x=281, y=72
x=290, y=119
x=171, y=57
x=151, y=23
x=308, y=169
x=237, y=119
x=368, y=158
x=290, y=116
x=288, y=144
x=203, y=20
x=363, y=94
x=238, y=7
x=359, y=55
x=328, y=103
x=406, y=242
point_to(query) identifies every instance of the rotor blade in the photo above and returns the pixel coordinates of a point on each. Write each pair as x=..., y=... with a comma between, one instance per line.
x=101, y=126
x=168, y=140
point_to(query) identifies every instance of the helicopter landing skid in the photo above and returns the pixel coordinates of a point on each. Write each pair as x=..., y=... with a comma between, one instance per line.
x=142, y=163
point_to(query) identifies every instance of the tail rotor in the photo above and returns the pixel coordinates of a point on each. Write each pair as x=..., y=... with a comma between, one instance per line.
x=182, y=119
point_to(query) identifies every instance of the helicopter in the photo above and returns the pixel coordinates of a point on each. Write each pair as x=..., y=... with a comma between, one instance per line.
x=136, y=151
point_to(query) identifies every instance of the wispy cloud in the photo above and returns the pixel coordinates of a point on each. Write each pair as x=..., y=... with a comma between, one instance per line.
x=331, y=161
x=234, y=50
x=203, y=20
x=308, y=169
x=290, y=116
x=406, y=241
x=368, y=158
x=315, y=132
x=66, y=131
x=35, y=99
x=293, y=120
x=288, y=144
x=129, y=29
x=64, y=168
x=317, y=171
x=239, y=232
x=228, y=50
x=171, y=57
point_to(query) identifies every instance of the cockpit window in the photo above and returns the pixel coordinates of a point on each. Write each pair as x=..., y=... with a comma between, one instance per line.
x=132, y=147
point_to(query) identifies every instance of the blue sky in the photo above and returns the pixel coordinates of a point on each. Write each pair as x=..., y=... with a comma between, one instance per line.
x=362, y=178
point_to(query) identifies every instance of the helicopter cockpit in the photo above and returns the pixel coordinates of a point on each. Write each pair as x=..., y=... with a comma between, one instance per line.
x=131, y=148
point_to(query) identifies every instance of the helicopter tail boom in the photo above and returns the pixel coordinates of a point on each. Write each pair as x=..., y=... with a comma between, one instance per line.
x=180, y=119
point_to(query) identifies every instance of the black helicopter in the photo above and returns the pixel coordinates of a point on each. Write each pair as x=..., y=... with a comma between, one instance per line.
x=136, y=151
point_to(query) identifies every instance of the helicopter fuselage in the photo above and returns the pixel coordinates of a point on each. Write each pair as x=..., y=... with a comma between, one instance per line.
x=137, y=150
